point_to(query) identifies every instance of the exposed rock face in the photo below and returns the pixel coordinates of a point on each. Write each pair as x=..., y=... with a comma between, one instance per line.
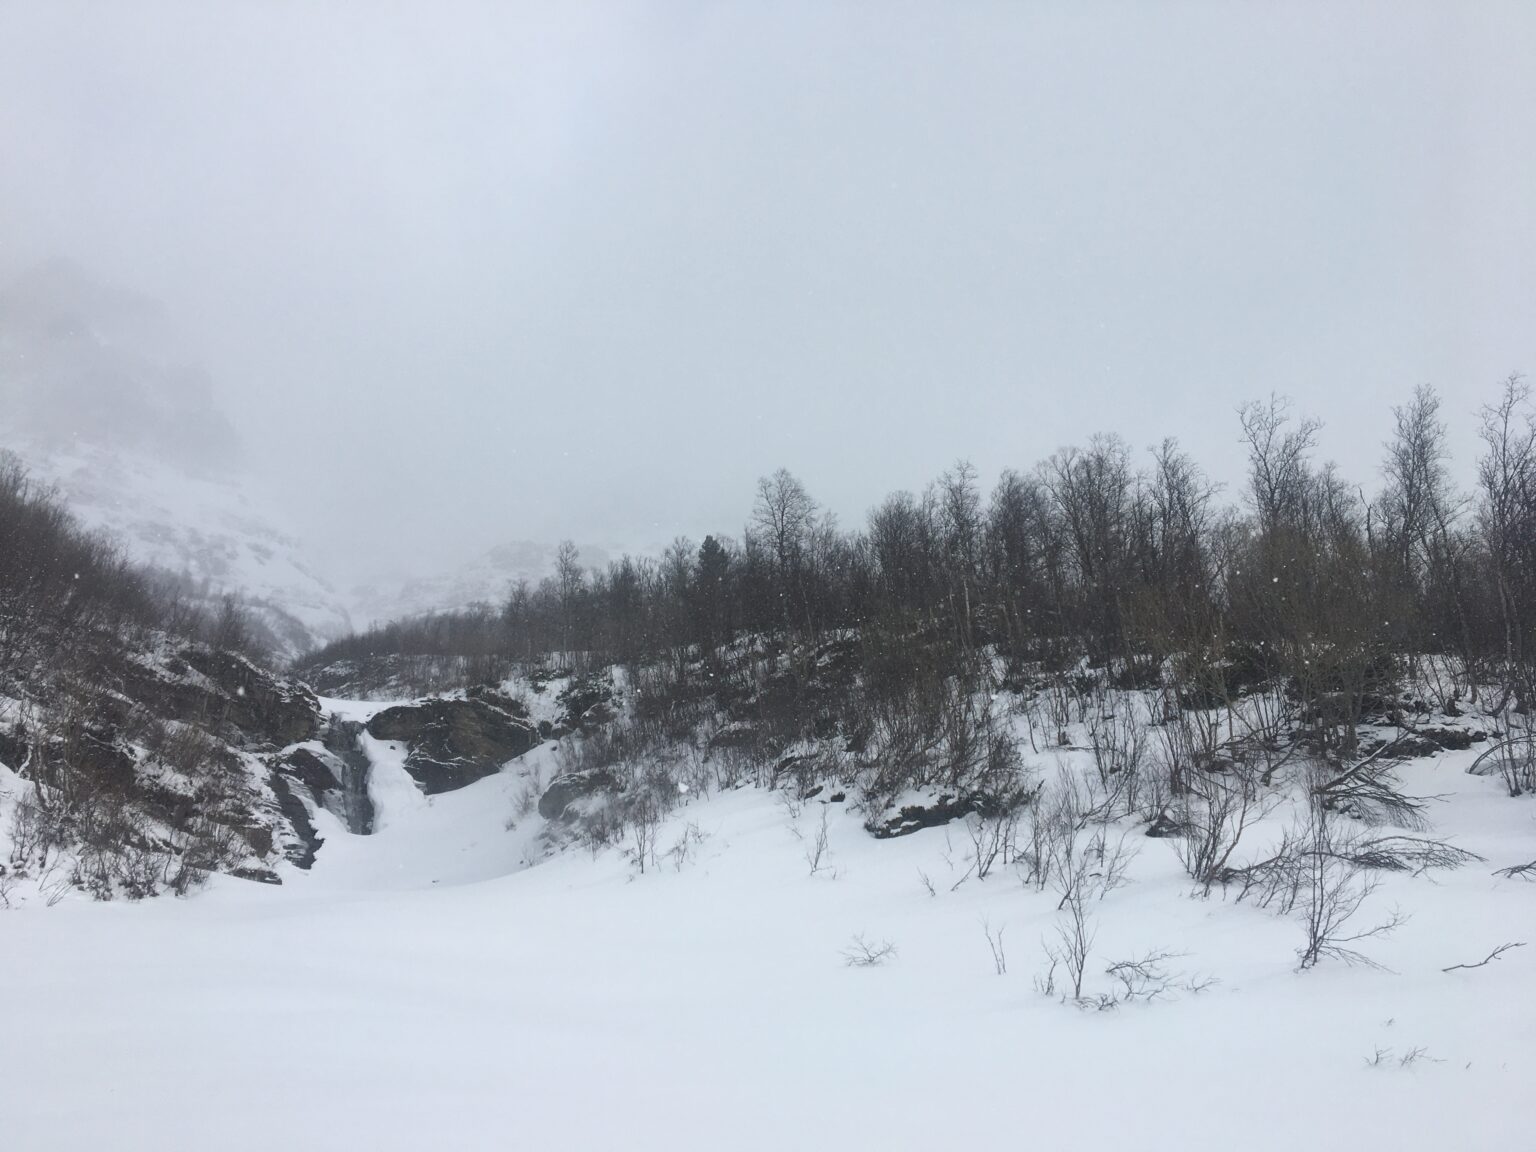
x=571, y=786
x=310, y=770
x=389, y=676
x=308, y=840
x=341, y=741
x=455, y=742
x=225, y=694
x=330, y=774
x=283, y=711
x=168, y=760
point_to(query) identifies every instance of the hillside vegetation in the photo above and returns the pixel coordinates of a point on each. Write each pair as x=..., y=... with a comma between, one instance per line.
x=1229, y=641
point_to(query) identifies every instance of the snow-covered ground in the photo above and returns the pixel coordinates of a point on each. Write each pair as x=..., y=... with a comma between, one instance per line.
x=427, y=988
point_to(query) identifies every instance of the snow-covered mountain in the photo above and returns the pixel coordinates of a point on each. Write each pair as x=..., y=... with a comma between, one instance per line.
x=207, y=528
x=100, y=398
x=486, y=579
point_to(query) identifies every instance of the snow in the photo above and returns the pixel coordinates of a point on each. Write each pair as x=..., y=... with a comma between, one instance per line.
x=440, y=984
x=209, y=527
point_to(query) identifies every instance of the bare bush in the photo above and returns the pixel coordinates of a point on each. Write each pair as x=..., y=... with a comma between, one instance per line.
x=688, y=844
x=1051, y=853
x=1147, y=978
x=993, y=835
x=1333, y=891
x=1118, y=741
x=816, y=851
x=995, y=945
x=1513, y=761
x=1075, y=931
x=1405, y=853
x=1111, y=859
x=1369, y=792
x=1188, y=742
x=946, y=735
x=864, y=953
x=1214, y=813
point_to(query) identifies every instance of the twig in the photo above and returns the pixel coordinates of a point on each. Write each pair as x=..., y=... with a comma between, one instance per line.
x=1494, y=955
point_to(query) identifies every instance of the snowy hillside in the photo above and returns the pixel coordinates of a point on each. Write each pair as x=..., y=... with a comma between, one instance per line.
x=765, y=974
x=100, y=400
x=208, y=528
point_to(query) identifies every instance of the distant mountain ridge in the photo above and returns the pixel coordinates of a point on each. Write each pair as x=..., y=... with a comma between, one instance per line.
x=101, y=398
x=204, y=529
x=486, y=579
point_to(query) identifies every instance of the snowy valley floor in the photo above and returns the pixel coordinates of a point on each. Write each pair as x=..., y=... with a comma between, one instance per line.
x=422, y=988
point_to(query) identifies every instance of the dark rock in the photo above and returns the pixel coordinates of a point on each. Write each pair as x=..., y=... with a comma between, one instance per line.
x=259, y=875
x=341, y=741
x=454, y=742
x=499, y=699
x=1162, y=826
x=274, y=710
x=572, y=786
x=13, y=749
x=294, y=811
x=1453, y=739
x=913, y=817
x=258, y=836
x=1425, y=742
x=315, y=773
x=336, y=777
x=603, y=712
x=581, y=699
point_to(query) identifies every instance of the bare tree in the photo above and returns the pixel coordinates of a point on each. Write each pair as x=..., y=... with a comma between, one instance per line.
x=784, y=516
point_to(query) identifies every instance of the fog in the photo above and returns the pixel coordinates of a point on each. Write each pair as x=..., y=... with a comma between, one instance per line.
x=463, y=273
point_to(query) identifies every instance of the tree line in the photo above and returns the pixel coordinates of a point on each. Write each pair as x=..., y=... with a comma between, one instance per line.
x=64, y=589
x=1150, y=571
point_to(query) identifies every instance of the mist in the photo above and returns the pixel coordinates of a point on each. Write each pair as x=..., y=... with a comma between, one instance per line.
x=459, y=274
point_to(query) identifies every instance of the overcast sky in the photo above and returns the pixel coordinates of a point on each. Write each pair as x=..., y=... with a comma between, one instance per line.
x=466, y=273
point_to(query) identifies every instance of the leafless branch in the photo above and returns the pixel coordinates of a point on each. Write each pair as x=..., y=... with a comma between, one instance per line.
x=1494, y=955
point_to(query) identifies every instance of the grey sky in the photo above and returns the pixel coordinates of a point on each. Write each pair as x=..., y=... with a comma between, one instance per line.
x=466, y=273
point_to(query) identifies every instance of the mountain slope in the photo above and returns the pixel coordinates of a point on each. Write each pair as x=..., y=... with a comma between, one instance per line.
x=102, y=399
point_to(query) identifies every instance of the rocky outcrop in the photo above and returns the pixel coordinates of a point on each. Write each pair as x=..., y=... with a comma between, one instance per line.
x=563, y=790
x=307, y=841
x=331, y=774
x=161, y=760
x=278, y=710
x=455, y=742
x=587, y=703
x=341, y=741
x=312, y=770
